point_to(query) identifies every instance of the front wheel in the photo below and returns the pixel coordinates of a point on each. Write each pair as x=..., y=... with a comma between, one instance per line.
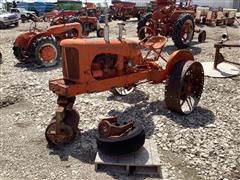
x=123, y=91
x=46, y=52
x=184, y=86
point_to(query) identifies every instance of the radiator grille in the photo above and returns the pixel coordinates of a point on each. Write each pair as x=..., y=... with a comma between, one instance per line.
x=72, y=63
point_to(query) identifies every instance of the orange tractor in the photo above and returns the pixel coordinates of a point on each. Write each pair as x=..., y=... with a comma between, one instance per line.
x=42, y=46
x=89, y=24
x=171, y=20
x=91, y=65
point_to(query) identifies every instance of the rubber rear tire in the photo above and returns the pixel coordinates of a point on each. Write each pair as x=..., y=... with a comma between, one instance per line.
x=37, y=47
x=177, y=31
x=18, y=54
x=122, y=145
x=141, y=24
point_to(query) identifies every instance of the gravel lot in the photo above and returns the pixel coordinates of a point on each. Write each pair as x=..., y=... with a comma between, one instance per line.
x=203, y=145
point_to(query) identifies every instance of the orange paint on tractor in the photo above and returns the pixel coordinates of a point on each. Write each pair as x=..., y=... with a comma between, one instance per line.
x=98, y=65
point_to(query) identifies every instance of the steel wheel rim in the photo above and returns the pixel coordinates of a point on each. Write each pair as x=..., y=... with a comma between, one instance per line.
x=191, y=88
x=187, y=32
x=124, y=91
x=65, y=136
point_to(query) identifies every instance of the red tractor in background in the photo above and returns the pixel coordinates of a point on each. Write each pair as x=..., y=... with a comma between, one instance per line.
x=88, y=23
x=171, y=20
x=126, y=10
x=42, y=45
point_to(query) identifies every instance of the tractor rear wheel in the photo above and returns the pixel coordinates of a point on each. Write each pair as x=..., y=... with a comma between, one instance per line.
x=144, y=22
x=18, y=53
x=184, y=86
x=183, y=31
x=46, y=52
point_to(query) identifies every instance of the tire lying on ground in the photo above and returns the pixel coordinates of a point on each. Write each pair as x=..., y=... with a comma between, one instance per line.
x=125, y=144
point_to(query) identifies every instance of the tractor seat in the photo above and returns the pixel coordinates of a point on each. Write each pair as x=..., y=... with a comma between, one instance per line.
x=155, y=42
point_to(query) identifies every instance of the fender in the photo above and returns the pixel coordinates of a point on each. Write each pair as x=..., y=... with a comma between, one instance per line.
x=177, y=56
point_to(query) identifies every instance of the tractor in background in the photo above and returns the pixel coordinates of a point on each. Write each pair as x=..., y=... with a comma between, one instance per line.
x=41, y=46
x=171, y=20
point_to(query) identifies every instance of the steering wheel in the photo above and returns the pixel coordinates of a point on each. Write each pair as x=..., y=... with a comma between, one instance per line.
x=149, y=35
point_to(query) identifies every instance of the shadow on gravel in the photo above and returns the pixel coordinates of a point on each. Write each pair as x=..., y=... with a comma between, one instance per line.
x=143, y=112
x=34, y=68
x=82, y=148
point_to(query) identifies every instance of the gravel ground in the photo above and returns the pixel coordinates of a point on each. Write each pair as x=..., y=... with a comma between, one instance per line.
x=203, y=145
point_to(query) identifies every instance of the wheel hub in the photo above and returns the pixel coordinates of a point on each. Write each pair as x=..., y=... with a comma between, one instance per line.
x=48, y=53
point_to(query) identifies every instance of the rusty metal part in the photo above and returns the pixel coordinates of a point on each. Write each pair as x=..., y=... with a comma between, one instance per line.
x=64, y=125
x=219, y=58
x=184, y=87
x=110, y=128
x=64, y=135
x=48, y=52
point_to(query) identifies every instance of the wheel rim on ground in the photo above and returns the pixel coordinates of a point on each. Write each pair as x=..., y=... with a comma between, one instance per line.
x=187, y=32
x=47, y=53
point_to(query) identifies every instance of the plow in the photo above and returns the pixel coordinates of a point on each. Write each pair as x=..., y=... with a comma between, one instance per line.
x=91, y=66
x=171, y=20
x=221, y=67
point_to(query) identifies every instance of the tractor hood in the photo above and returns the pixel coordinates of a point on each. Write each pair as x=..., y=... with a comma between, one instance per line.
x=95, y=46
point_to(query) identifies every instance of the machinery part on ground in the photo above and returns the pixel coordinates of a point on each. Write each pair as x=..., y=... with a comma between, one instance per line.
x=208, y=16
x=219, y=58
x=60, y=133
x=184, y=86
x=202, y=36
x=127, y=143
x=123, y=91
x=183, y=31
x=109, y=127
x=222, y=67
x=1, y=61
x=46, y=52
x=223, y=70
